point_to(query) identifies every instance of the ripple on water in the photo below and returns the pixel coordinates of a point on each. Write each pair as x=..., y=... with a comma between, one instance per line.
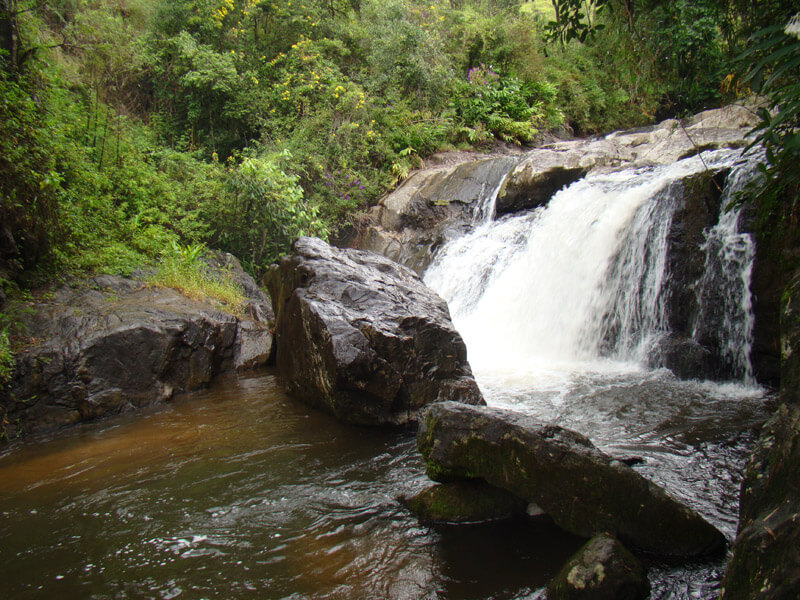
x=242, y=493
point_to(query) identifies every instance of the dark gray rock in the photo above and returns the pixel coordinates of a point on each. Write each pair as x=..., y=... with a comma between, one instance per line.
x=362, y=337
x=542, y=179
x=583, y=490
x=112, y=345
x=765, y=563
x=412, y=222
x=603, y=569
x=465, y=502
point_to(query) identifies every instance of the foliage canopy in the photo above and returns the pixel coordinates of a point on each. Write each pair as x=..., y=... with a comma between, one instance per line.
x=128, y=126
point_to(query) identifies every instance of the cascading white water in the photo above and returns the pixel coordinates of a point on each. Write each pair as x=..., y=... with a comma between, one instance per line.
x=726, y=308
x=579, y=285
x=567, y=309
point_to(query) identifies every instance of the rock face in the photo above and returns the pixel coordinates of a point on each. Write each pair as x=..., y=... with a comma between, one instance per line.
x=583, y=490
x=766, y=563
x=115, y=345
x=410, y=223
x=693, y=349
x=603, y=569
x=363, y=338
x=465, y=502
x=413, y=221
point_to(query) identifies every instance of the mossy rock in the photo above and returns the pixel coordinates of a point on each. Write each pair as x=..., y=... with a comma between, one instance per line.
x=583, y=490
x=765, y=564
x=465, y=502
x=603, y=569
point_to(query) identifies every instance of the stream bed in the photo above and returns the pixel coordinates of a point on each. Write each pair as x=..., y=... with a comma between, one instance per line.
x=241, y=492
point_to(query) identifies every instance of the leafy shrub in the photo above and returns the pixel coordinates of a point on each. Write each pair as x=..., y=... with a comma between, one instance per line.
x=262, y=211
x=502, y=106
x=774, y=64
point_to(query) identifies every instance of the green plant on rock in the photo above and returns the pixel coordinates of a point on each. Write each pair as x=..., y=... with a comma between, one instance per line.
x=183, y=268
x=501, y=106
x=6, y=358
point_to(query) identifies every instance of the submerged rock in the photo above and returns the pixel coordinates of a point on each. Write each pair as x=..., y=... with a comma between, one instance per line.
x=113, y=345
x=465, y=502
x=363, y=338
x=765, y=564
x=603, y=569
x=583, y=490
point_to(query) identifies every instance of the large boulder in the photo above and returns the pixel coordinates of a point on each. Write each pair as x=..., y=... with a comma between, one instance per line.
x=583, y=490
x=412, y=222
x=363, y=338
x=603, y=569
x=765, y=564
x=111, y=345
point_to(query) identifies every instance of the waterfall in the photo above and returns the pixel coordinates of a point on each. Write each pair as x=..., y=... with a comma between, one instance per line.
x=485, y=208
x=583, y=283
x=726, y=317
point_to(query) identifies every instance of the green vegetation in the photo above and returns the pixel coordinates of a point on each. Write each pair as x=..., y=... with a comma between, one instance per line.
x=129, y=128
x=774, y=60
x=6, y=358
x=183, y=268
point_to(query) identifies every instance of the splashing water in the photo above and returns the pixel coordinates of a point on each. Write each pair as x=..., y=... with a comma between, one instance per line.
x=581, y=285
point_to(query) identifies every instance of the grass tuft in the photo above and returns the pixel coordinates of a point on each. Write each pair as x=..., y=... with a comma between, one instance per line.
x=183, y=268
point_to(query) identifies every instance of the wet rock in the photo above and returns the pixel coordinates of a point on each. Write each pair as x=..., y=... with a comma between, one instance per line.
x=532, y=184
x=685, y=357
x=603, y=569
x=112, y=345
x=433, y=204
x=413, y=221
x=583, y=490
x=789, y=319
x=765, y=564
x=363, y=338
x=698, y=210
x=465, y=502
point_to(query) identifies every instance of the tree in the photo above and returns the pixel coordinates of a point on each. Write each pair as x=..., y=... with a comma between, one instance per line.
x=774, y=72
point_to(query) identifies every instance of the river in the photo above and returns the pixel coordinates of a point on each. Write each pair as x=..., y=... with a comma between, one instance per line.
x=242, y=492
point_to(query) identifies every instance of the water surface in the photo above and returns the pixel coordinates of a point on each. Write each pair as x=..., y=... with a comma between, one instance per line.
x=241, y=492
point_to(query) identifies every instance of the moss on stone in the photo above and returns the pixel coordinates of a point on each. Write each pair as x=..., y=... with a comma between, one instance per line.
x=465, y=502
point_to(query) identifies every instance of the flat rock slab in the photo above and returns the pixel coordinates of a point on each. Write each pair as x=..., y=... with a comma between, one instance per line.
x=363, y=337
x=584, y=491
x=472, y=501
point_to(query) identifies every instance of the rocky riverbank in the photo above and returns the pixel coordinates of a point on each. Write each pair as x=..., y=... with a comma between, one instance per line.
x=109, y=345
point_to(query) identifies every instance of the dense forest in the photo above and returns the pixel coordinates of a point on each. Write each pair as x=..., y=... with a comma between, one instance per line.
x=140, y=132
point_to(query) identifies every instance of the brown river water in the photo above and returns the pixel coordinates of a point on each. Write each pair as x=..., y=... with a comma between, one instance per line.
x=242, y=492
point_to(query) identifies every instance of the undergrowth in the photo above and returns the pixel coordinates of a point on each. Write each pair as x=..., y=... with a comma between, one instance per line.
x=183, y=268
